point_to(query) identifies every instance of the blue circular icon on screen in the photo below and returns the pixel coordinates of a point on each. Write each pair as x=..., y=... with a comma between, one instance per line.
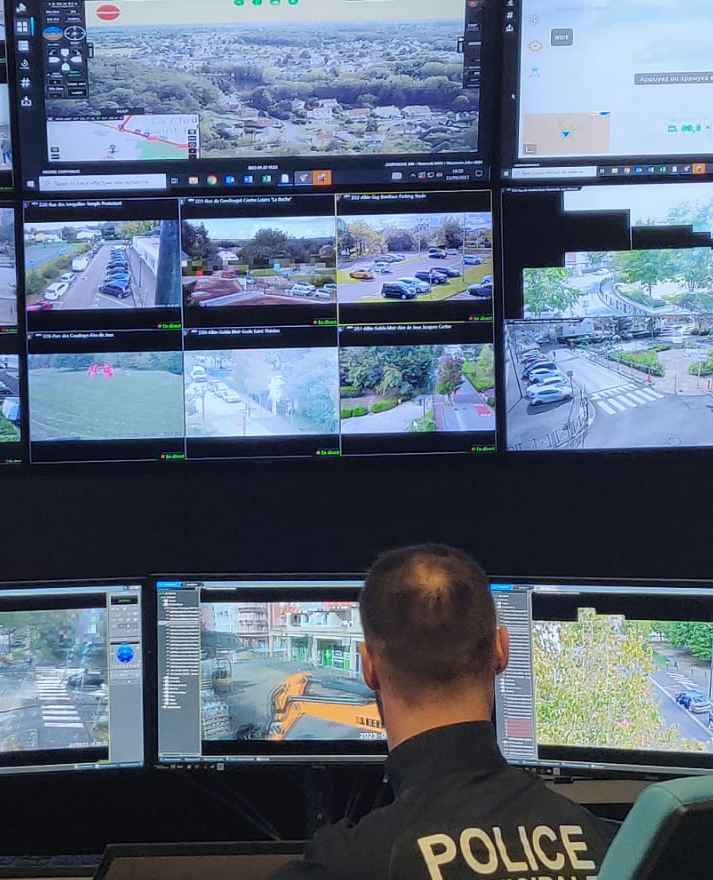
x=125, y=654
x=53, y=34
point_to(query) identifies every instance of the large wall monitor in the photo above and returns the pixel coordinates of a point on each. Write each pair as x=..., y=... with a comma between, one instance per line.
x=608, y=316
x=253, y=670
x=291, y=94
x=606, y=676
x=606, y=89
x=71, y=677
x=260, y=326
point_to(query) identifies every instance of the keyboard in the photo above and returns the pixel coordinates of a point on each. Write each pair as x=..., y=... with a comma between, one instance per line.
x=50, y=866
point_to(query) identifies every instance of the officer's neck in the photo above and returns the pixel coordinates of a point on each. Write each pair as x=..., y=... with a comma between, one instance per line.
x=404, y=719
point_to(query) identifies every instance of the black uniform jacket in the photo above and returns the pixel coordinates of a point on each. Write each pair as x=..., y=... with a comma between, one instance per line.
x=460, y=811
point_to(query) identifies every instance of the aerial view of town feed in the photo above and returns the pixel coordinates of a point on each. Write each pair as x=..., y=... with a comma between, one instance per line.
x=258, y=261
x=284, y=671
x=330, y=77
x=75, y=265
x=53, y=679
x=605, y=681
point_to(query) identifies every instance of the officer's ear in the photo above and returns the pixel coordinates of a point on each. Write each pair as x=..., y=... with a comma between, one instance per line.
x=502, y=649
x=368, y=669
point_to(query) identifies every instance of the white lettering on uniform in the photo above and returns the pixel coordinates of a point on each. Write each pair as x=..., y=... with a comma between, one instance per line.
x=529, y=855
x=479, y=867
x=554, y=864
x=441, y=849
x=435, y=859
x=507, y=861
x=575, y=846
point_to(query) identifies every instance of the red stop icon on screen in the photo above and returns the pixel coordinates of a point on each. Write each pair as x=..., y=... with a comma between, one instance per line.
x=108, y=12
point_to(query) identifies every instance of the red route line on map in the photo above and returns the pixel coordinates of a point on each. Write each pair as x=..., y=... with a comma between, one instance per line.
x=146, y=137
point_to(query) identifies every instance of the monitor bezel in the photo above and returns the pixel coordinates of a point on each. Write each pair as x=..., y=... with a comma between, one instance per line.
x=269, y=586
x=593, y=763
x=33, y=770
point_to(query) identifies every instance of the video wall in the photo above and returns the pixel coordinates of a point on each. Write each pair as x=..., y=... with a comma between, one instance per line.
x=291, y=229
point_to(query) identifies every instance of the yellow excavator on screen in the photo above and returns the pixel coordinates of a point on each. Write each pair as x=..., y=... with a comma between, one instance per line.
x=340, y=701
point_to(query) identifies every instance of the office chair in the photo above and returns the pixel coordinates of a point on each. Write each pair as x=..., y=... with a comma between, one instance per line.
x=668, y=835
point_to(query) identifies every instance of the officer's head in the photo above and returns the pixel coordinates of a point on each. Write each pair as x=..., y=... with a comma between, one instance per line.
x=430, y=627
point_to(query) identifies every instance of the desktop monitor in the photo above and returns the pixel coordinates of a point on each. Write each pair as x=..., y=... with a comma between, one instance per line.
x=608, y=316
x=262, y=671
x=595, y=90
x=251, y=95
x=71, y=676
x=606, y=677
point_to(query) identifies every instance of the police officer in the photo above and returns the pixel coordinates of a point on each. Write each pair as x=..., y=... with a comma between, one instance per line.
x=432, y=651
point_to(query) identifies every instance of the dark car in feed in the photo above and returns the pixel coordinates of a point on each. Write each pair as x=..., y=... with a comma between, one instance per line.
x=450, y=271
x=482, y=290
x=397, y=290
x=120, y=289
x=432, y=276
x=86, y=679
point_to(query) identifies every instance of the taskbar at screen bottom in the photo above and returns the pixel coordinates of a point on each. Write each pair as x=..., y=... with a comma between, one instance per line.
x=34, y=760
x=215, y=762
x=607, y=762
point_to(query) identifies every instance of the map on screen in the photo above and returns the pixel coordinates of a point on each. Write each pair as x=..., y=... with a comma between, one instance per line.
x=615, y=78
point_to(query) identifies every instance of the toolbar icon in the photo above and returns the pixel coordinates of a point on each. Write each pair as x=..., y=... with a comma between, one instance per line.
x=26, y=102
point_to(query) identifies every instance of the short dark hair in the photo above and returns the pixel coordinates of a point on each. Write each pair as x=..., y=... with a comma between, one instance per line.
x=428, y=613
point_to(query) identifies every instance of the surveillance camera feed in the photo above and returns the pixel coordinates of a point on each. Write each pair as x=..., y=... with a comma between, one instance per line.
x=106, y=396
x=54, y=670
x=259, y=261
x=8, y=270
x=101, y=264
x=70, y=677
x=267, y=676
x=415, y=256
x=613, y=675
x=272, y=392
x=417, y=389
x=9, y=399
x=313, y=83
x=282, y=671
x=609, y=313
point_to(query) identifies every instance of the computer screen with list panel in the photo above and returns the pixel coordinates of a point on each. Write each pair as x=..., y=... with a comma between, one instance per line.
x=606, y=677
x=71, y=676
x=262, y=670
